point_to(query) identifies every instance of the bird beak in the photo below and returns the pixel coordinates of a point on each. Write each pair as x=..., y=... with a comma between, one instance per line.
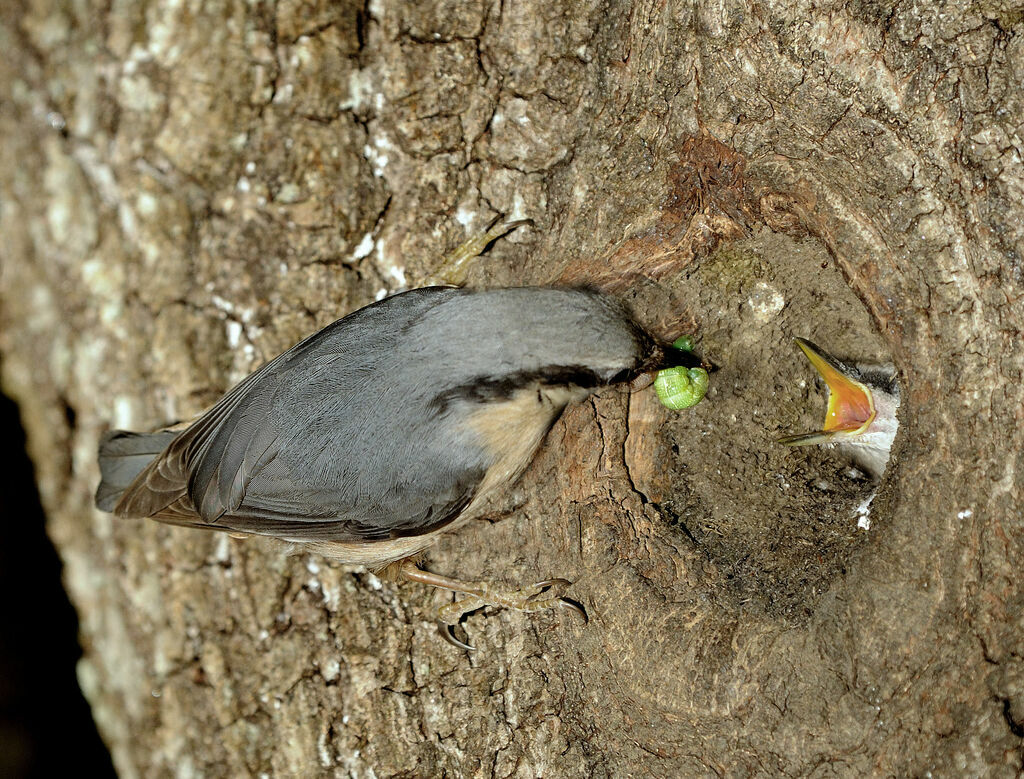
x=851, y=408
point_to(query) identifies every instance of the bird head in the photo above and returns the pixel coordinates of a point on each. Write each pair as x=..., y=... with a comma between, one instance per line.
x=861, y=413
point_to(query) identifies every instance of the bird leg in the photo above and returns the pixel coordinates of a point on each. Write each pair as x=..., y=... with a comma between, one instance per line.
x=536, y=597
x=454, y=266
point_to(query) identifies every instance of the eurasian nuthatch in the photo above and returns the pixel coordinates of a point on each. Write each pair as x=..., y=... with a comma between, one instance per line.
x=861, y=414
x=370, y=437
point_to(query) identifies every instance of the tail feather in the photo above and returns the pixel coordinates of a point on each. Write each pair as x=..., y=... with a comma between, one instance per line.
x=123, y=456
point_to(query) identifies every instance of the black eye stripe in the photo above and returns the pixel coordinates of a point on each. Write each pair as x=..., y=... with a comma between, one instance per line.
x=484, y=388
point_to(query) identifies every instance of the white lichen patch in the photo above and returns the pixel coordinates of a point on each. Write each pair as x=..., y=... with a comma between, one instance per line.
x=136, y=93
x=330, y=589
x=376, y=153
x=125, y=412
x=465, y=217
x=388, y=268
x=146, y=204
x=284, y=95
x=234, y=332
x=163, y=26
x=326, y=759
x=330, y=669
x=222, y=550
x=304, y=52
x=398, y=274
x=765, y=302
x=518, y=208
x=289, y=193
x=364, y=248
x=360, y=88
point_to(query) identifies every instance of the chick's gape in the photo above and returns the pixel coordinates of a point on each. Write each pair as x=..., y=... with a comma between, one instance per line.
x=371, y=437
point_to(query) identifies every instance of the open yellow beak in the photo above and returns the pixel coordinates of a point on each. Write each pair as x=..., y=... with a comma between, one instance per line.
x=851, y=409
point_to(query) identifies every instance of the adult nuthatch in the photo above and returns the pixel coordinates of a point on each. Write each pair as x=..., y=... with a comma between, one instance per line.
x=370, y=437
x=861, y=414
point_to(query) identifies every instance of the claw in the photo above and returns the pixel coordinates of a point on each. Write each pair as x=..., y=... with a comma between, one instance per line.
x=544, y=587
x=576, y=608
x=448, y=634
x=544, y=595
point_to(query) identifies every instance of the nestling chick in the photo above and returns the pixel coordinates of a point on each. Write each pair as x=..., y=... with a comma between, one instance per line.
x=389, y=426
x=861, y=415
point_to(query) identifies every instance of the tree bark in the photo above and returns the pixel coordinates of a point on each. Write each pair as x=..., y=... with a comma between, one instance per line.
x=186, y=189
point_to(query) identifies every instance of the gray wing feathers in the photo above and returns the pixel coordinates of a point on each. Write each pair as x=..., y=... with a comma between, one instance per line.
x=231, y=452
x=168, y=478
x=275, y=455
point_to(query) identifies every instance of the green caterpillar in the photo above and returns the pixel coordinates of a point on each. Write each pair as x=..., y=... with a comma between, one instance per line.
x=681, y=387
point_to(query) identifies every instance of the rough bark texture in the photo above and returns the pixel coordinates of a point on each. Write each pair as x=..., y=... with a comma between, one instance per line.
x=190, y=187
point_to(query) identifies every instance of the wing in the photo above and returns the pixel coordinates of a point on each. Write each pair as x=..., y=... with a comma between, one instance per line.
x=290, y=527
x=273, y=423
x=168, y=480
x=344, y=526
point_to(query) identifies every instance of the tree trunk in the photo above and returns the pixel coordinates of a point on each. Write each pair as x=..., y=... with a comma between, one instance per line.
x=189, y=188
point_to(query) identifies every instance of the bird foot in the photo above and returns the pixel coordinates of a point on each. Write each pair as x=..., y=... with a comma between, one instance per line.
x=547, y=594
x=537, y=597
